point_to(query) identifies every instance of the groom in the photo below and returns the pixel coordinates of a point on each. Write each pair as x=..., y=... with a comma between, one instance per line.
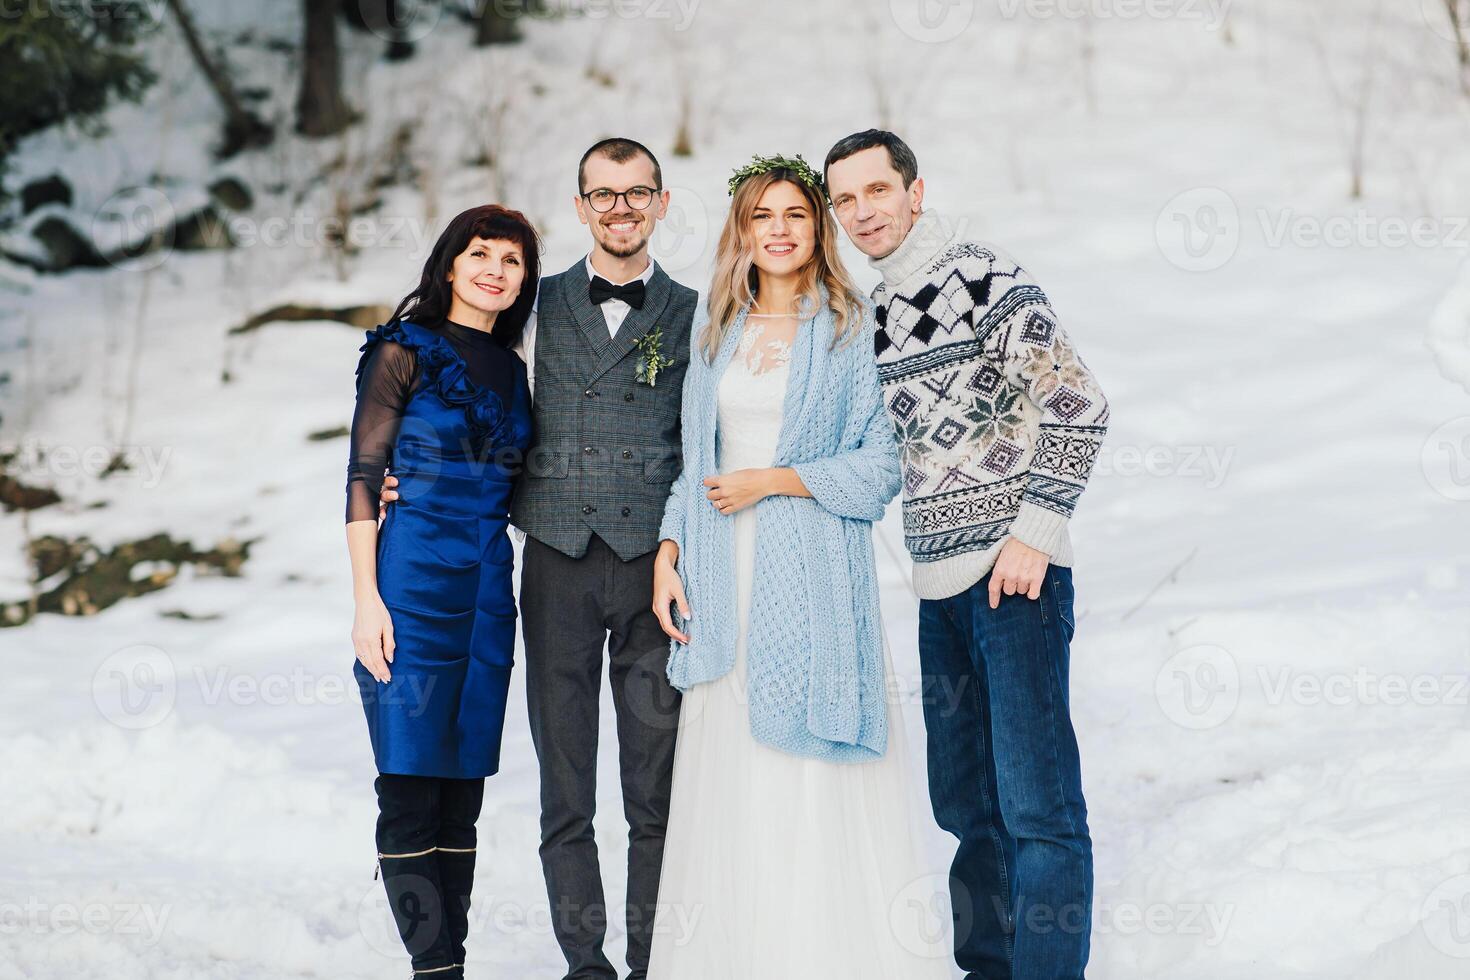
x=999, y=423
x=606, y=451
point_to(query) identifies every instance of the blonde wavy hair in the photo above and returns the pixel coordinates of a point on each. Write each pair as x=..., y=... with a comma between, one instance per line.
x=736, y=278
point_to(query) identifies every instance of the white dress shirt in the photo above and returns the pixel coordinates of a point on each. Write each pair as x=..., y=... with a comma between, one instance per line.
x=614, y=311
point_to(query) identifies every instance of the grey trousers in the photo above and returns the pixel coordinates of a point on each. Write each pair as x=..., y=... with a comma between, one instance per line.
x=570, y=609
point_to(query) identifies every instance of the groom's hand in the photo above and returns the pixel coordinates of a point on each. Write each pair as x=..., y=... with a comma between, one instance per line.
x=386, y=496
x=1019, y=570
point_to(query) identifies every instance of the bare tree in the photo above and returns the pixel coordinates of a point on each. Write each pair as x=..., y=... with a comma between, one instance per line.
x=1459, y=12
x=495, y=24
x=320, y=108
x=1357, y=103
x=243, y=129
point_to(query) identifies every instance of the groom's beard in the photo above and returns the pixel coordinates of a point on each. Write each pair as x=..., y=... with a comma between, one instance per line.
x=625, y=250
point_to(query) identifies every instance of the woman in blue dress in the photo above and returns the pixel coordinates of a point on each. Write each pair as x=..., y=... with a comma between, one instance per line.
x=443, y=400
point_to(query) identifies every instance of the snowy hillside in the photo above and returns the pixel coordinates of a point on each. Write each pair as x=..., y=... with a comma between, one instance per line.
x=1271, y=677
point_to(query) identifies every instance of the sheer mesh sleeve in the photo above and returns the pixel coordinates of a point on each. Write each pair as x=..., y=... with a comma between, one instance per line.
x=383, y=391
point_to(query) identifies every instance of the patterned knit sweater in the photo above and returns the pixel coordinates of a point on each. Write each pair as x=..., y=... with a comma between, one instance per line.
x=998, y=420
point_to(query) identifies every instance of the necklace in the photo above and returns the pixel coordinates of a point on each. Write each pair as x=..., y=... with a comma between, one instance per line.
x=768, y=315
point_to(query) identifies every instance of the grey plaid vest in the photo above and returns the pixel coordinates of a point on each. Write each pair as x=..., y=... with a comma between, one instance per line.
x=606, y=446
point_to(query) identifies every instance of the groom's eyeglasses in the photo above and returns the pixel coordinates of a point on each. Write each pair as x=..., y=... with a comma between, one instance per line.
x=602, y=199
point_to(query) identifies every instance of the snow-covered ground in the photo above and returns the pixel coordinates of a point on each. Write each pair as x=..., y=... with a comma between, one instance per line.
x=1272, y=670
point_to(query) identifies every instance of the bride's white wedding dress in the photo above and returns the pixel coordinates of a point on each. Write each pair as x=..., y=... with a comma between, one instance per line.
x=776, y=866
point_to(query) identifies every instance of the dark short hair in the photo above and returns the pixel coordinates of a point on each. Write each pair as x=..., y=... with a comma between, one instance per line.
x=428, y=304
x=899, y=153
x=619, y=150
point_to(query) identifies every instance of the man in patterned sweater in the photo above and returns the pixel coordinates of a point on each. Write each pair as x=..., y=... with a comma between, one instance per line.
x=999, y=422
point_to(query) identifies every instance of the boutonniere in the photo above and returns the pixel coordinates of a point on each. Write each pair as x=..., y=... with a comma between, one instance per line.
x=652, y=360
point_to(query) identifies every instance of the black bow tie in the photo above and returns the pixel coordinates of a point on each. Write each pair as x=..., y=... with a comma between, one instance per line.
x=600, y=290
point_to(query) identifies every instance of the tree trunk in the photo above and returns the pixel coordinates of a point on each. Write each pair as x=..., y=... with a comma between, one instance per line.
x=243, y=129
x=496, y=26
x=320, y=108
x=1458, y=21
x=380, y=17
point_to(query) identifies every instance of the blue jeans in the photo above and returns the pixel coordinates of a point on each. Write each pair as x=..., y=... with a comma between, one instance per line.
x=1005, y=778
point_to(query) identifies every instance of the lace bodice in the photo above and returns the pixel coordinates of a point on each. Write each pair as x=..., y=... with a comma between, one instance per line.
x=751, y=397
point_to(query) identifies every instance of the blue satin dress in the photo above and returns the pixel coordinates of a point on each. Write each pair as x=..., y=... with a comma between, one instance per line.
x=445, y=566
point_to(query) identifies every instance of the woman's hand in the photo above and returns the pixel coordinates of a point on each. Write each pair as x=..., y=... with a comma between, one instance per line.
x=738, y=489
x=668, y=589
x=372, y=636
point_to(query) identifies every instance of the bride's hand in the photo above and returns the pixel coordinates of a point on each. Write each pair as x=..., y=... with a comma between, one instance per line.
x=372, y=636
x=738, y=489
x=668, y=589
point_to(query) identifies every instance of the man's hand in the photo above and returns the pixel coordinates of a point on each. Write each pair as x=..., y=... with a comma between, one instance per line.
x=386, y=496
x=738, y=489
x=1019, y=568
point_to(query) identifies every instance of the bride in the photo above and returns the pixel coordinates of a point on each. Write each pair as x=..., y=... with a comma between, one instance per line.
x=789, y=851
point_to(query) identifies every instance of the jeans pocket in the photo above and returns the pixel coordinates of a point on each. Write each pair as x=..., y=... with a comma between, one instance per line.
x=1061, y=587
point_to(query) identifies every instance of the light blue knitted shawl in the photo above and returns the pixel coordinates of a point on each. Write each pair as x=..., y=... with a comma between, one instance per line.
x=815, y=646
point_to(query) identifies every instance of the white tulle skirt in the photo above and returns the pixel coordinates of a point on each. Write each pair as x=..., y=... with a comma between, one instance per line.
x=778, y=867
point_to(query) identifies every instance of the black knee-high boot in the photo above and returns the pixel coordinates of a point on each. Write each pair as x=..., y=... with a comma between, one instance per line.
x=457, y=876
x=416, y=898
x=459, y=808
x=408, y=826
